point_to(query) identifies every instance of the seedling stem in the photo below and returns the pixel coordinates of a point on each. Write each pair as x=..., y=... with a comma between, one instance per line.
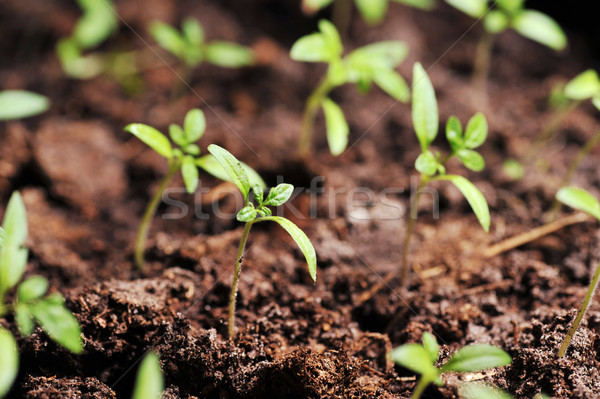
x=312, y=106
x=481, y=68
x=236, y=279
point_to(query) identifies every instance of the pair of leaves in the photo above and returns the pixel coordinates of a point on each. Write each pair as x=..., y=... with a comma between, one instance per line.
x=18, y=104
x=584, y=86
x=149, y=382
x=463, y=144
x=277, y=196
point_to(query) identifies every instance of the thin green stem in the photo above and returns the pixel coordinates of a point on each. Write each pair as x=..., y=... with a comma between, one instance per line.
x=310, y=111
x=236, y=280
x=421, y=385
x=142, y=234
x=412, y=217
x=481, y=68
x=584, y=306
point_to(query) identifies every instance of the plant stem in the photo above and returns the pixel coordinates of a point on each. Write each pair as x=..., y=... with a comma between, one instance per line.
x=412, y=217
x=236, y=280
x=421, y=385
x=142, y=234
x=584, y=305
x=310, y=111
x=481, y=68
x=566, y=180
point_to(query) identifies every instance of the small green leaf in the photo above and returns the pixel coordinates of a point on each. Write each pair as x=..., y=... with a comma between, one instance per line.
x=474, y=8
x=431, y=345
x=481, y=390
x=210, y=165
x=471, y=159
x=332, y=39
x=424, y=107
x=495, y=21
x=416, y=358
x=177, y=134
x=194, y=125
x=337, y=127
x=59, y=323
x=149, y=382
x=259, y=194
x=24, y=319
x=192, y=149
x=168, y=38
x=579, y=199
x=18, y=104
x=301, y=240
x=393, y=84
x=372, y=11
x=476, y=131
x=263, y=211
x=13, y=253
x=381, y=55
x=310, y=48
x=151, y=137
x=246, y=214
x=511, y=5
x=193, y=32
x=473, y=196
x=279, y=195
x=189, y=171
x=583, y=86
x=477, y=357
x=96, y=25
x=541, y=28
x=31, y=289
x=9, y=361
x=427, y=163
x=454, y=133
x=229, y=55
x=234, y=169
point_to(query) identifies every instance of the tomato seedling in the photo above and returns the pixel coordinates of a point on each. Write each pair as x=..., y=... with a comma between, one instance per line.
x=259, y=212
x=149, y=382
x=186, y=159
x=372, y=63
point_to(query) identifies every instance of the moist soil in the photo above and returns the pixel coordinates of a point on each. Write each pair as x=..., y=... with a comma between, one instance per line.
x=85, y=183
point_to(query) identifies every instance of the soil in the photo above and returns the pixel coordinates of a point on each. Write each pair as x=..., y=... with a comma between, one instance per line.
x=85, y=183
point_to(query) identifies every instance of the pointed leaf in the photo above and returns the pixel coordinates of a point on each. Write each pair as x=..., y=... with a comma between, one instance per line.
x=579, y=199
x=13, y=253
x=24, y=319
x=229, y=55
x=9, y=361
x=427, y=163
x=424, y=107
x=259, y=194
x=471, y=159
x=310, y=48
x=416, y=358
x=477, y=357
x=279, y=195
x=151, y=137
x=541, y=28
x=332, y=39
x=168, y=38
x=31, y=289
x=59, y=323
x=192, y=31
x=337, y=127
x=583, y=86
x=246, y=214
x=473, y=196
x=372, y=11
x=474, y=8
x=18, y=104
x=194, y=125
x=476, y=131
x=431, y=345
x=210, y=165
x=177, y=134
x=234, y=169
x=454, y=133
x=149, y=382
x=189, y=171
x=393, y=84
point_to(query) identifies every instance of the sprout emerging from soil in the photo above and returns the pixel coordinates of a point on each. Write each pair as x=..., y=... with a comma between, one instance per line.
x=149, y=382
x=583, y=201
x=31, y=303
x=186, y=159
x=259, y=212
x=421, y=358
x=17, y=104
x=372, y=63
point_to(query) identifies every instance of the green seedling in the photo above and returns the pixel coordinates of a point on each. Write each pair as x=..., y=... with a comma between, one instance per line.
x=31, y=303
x=500, y=15
x=583, y=201
x=372, y=63
x=422, y=359
x=186, y=159
x=149, y=382
x=482, y=390
x=431, y=165
x=18, y=104
x=258, y=211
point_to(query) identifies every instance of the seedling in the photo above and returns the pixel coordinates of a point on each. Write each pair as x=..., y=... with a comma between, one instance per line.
x=186, y=159
x=583, y=201
x=149, y=382
x=372, y=63
x=421, y=358
x=500, y=15
x=18, y=104
x=482, y=390
x=31, y=304
x=259, y=212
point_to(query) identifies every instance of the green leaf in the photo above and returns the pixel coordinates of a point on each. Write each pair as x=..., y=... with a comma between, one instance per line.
x=381, y=55
x=2, y=236
x=372, y=11
x=192, y=31
x=481, y=390
x=496, y=21
x=393, y=84
x=596, y=102
x=473, y=196
x=541, y=28
x=246, y=214
x=229, y=55
x=13, y=253
x=337, y=127
x=18, y=104
x=189, y=171
x=454, y=133
x=279, y=195
x=474, y=8
x=579, y=199
x=233, y=168
x=151, y=137
x=310, y=48
x=168, y=38
x=427, y=163
x=424, y=107
x=31, y=289
x=210, y=165
x=476, y=131
x=192, y=149
x=416, y=358
x=59, y=323
x=24, y=319
x=471, y=159
x=477, y=357
x=422, y=4
x=194, y=125
x=511, y=5
x=149, y=382
x=513, y=169
x=9, y=361
x=431, y=345
x=177, y=134
x=259, y=194
x=583, y=86
x=332, y=39
x=301, y=240
x=96, y=25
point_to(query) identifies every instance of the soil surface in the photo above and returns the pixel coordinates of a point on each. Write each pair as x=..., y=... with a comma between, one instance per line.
x=85, y=183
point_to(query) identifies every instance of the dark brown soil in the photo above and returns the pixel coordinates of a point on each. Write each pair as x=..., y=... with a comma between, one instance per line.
x=85, y=183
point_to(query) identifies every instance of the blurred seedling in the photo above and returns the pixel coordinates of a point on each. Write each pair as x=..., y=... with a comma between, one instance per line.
x=483, y=390
x=422, y=359
x=186, y=158
x=32, y=304
x=149, y=382
x=258, y=211
x=18, y=104
x=372, y=63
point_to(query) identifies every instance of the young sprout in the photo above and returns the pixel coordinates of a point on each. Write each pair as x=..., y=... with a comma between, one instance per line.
x=479, y=390
x=186, y=159
x=149, y=382
x=31, y=302
x=421, y=358
x=372, y=63
x=499, y=15
x=584, y=201
x=258, y=211
x=18, y=104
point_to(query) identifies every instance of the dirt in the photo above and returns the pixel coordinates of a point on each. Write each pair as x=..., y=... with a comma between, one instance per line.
x=85, y=183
